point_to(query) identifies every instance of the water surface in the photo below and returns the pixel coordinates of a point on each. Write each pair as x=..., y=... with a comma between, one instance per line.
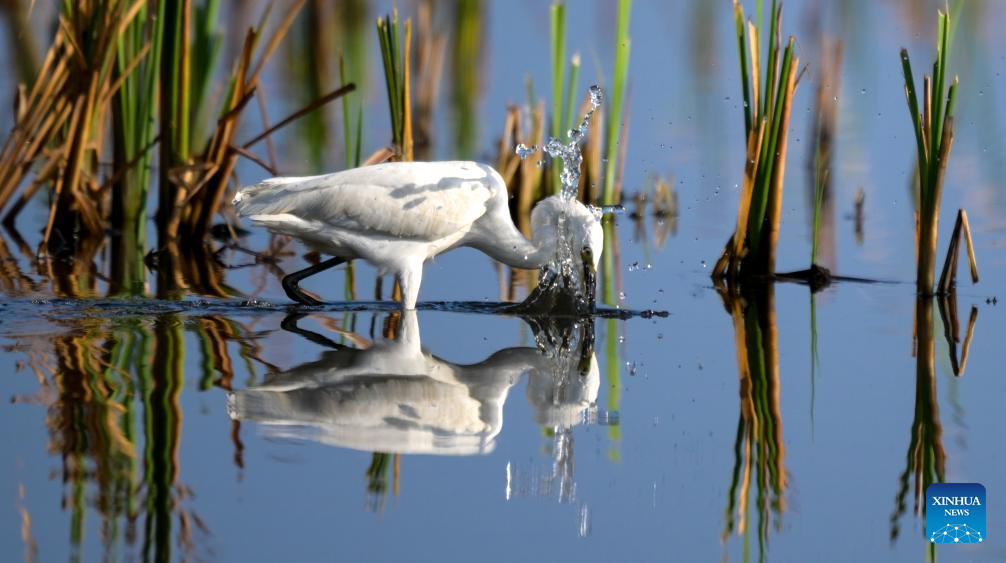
x=757, y=425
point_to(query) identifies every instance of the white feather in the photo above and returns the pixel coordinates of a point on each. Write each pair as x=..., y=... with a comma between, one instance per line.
x=399, y=215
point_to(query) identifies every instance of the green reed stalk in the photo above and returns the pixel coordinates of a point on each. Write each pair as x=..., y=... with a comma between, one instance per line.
x=766, y=124
x=933, y=126
x=558, y=51
x=616, y=103
x=467, y=68
x=742, y=50
x=395, y=55
x=134, y=113
x=175, y=116
x=351, y=135
x=571, y=88
x=207, y=39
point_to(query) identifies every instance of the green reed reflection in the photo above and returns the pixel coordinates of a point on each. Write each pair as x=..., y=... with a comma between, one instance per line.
x=113, y=388
x=926, y=460
x=759, y=451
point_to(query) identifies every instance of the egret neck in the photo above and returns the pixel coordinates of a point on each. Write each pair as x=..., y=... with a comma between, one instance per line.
x=509, y=246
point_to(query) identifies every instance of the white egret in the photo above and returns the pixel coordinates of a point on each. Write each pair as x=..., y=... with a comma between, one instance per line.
x=398, y=215
x=397, y=397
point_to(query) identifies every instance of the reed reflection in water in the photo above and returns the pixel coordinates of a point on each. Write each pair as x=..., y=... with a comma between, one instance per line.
x=759, y=451
x=926, y=459
x=111, y=387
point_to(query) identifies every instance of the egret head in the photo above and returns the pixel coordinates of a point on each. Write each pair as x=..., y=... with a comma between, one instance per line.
x=574, y=231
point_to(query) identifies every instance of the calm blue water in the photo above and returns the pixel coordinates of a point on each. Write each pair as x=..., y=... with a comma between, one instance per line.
x=639, y=459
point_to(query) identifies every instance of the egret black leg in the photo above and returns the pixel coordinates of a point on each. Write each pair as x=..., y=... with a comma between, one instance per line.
x=291, y=281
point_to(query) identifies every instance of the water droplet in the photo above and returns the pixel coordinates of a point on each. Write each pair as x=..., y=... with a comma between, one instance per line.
x=863, y=91
x=703, y=263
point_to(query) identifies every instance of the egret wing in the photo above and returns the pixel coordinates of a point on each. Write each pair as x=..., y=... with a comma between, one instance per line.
x=418, y=200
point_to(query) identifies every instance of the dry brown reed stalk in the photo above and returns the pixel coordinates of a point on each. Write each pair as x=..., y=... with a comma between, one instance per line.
x=383, y=154
x=188, y=207
x=431, y=47
x=59, y=121
x=59, y=136
x=523, y=178
x=729, y=263
x=948, y=279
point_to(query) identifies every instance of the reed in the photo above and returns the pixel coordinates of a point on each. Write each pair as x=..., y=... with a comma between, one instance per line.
x=759, y=448
x=825, y=124
x=768, y=99
x=174, y=111
x=466, y=68
x=563, y=93
x=111, y=391
x=926, y=458
x=351, y=19
x=615, y=133
x=948, y=279
x=59, y=121
x=134, y=114
x=116, y=73
x=207, y=40
x=395, y=53
x=428, y=64
x=557, y=19
x=933, y=125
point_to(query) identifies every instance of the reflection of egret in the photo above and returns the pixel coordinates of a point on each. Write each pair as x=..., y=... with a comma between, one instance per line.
x=396, y=397
x=561, y=397
x=398, y=215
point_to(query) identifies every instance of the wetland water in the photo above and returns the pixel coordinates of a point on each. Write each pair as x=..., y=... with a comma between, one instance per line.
x=758, y=425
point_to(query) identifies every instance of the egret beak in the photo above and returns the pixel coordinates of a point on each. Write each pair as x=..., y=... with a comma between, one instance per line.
x=586, y=347
x=589, y=279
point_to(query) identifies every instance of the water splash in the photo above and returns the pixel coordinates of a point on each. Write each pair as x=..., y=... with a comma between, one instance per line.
x=568, y=151
x=562, y=284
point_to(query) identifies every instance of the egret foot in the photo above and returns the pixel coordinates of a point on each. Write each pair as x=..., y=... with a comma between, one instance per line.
x=291, y=281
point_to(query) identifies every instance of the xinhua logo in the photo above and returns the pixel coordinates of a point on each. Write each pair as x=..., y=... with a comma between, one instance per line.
x=955, y=513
